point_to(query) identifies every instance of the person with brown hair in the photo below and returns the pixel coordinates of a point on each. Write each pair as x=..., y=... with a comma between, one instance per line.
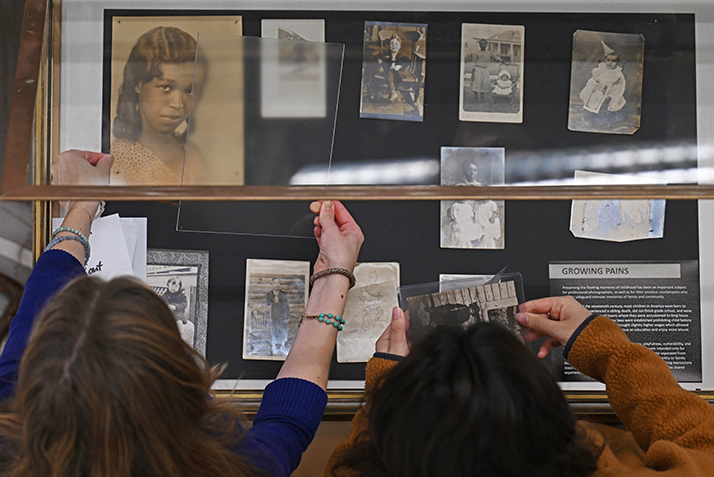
x=477, y=402
x=106, y=386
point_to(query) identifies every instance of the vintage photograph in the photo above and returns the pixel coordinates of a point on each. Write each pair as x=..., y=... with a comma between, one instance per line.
x=496, y=303
x=153, y=82
x=180, y=278
x=368, y=310
x=472, y=223
x=293, y=71
x=491, y=88
x=393, y=71
x=616, y=220
x=275, y=297
x=606, y=82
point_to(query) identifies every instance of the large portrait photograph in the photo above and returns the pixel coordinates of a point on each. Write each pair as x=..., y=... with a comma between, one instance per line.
x=491, y=87
x=158, y=122
x=180, y=278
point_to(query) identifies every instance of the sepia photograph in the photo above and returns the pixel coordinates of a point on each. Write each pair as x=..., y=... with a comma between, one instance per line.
x=154, y=82
x=393, y=71
x=491, y=86
x=275, y=297
x=368, y=310
x=180, y=278
x=606, y=82
x=293, y=71
x=472, y=223
x=495, y=303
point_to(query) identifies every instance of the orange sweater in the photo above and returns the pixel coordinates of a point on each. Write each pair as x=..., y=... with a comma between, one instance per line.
x=671, y=429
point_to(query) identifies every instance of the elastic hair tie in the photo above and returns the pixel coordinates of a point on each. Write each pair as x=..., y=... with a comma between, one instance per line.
x=327, y=318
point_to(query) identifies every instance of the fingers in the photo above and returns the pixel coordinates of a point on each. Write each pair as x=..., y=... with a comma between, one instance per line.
x=315, y=206
x=382, y=344
x=93, y=157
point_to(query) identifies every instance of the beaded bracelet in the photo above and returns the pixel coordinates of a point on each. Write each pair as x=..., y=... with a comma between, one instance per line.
x=70, y=230
x=329, y=271
x=62, y=238
x=328, y=319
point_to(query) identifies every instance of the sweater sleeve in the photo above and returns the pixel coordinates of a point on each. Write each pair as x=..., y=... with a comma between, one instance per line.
x=641, y=389
x=376, y=368
x=53, y=270
x=289, y=415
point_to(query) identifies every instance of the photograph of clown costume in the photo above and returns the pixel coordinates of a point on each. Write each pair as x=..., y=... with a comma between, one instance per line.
x=607, y=82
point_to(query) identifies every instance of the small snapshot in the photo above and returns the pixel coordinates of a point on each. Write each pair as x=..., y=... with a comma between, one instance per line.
x=606, y=82
x=393, y=71
x=275, y=298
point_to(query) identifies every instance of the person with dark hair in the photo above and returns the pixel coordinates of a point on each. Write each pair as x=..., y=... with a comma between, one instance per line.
x=98, y=381
x=154, y=99
x=477, y=402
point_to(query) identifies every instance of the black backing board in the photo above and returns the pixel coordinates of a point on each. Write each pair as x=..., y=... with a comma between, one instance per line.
x=406, y=232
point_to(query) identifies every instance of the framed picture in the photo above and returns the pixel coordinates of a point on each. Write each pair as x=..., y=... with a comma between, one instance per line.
x=180, y=277
x=154, y=87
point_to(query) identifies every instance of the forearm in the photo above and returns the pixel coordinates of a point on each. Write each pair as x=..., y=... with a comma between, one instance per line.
x=311, y=352
x=79, y=217
x=640, y=387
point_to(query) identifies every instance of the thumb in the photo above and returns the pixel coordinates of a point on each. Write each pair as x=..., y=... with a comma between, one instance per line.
x=398, y=333
x=327, y=216
x=104, y=164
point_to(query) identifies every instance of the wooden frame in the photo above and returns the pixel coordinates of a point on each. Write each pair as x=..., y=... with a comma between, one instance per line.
x=33, y=140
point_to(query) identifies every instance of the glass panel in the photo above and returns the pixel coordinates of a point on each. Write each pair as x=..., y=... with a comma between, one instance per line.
x=262, y=111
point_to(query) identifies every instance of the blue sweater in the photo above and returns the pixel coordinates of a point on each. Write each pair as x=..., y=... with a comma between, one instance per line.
x=289, y=414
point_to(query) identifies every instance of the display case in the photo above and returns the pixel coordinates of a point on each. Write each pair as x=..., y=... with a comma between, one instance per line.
x=387, y=105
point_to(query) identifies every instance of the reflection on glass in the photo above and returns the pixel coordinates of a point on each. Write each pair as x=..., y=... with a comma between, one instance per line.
x=267, y=107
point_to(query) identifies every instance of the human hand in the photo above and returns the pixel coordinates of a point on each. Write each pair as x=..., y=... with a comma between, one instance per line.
x=76, y=167
x=338, y=236
x=394, y=338
x=554, y=317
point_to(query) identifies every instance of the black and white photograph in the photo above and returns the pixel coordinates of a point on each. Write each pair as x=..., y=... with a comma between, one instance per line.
x=155, y=81
x=606, y=82
x=491, y=86
x=275, y=297
x=180, y=278
x=293, y=70
x=496, y=303
x=393, y=71
x=472, y=223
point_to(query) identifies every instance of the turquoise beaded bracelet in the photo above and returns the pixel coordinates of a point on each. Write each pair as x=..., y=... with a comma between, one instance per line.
x=328, y=319
x=71, y=230
x=62, y=238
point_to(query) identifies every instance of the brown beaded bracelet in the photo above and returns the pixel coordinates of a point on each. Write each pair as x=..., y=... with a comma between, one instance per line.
x=330, y=271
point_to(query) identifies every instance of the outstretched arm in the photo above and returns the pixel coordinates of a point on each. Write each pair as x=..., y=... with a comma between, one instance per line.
x=640, y=385
x=340, y=240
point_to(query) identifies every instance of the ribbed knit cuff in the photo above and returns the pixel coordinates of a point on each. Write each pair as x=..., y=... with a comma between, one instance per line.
x=575, y=335
x=280, y=397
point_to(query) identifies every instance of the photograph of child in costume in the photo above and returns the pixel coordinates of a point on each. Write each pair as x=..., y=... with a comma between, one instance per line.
x=606, y=82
